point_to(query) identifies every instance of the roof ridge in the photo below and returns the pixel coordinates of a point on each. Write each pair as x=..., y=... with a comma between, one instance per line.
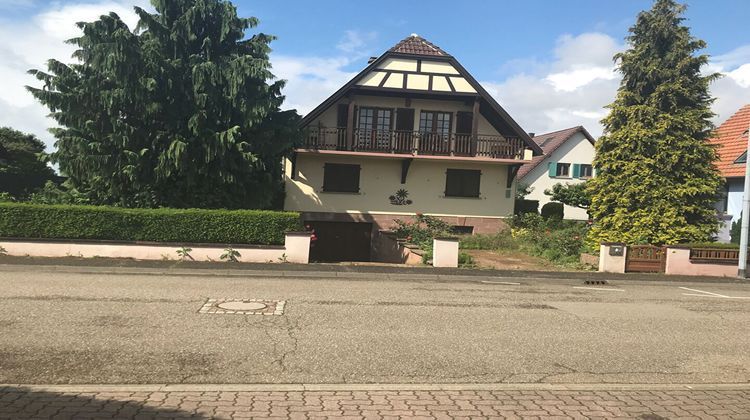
x=577, y=127
x=417, y=45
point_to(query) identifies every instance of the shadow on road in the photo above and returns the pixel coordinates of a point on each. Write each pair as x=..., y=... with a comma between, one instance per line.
x=26, y=403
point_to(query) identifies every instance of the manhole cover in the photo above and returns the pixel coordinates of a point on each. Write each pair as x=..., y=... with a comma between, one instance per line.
x=243, y=306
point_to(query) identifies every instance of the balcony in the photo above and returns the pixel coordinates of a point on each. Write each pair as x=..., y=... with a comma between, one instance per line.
x=414, y=143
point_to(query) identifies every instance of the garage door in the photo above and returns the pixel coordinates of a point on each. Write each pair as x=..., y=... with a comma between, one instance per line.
x=341, y=241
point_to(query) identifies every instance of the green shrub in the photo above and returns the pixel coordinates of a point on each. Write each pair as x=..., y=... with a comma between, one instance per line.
x=500, y=240
x=422, y=230
x=710, y=245
x=427, y=255
x=736, y=231
x=523, y=206
x=158, y=225
x=553, y=210
x=560, y=241
x=465, y=260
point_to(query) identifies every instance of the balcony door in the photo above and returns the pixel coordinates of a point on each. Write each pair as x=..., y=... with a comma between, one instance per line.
x=464, y=124
x=374, y=128
x=435, y=130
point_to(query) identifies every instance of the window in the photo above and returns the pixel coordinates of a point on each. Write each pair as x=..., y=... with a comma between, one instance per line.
x=462, y=230
x=431, y=122
x=339, y=177
x=586, y=171
x=462, y=183
x=563, y=170
x=374, y=127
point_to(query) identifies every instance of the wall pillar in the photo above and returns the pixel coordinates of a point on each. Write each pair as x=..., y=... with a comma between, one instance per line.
x=612, y=257
x=297, y=247
x=445, y=252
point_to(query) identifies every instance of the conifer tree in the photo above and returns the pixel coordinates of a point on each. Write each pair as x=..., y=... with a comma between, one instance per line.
x=183, y=111
x=655, y=176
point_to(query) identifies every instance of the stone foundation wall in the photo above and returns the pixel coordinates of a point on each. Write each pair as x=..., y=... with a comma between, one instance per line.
x=386, y=221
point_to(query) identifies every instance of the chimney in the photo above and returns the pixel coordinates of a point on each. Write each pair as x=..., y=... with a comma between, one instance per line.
x=531, y=134
x=371, y=59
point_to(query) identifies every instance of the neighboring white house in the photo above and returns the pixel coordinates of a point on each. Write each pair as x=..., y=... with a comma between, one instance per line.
x=567, y=159
x=730, y=140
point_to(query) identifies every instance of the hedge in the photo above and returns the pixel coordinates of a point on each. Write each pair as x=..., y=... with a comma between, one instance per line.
x=257, y=227
x=553, y=210
x=523, y=206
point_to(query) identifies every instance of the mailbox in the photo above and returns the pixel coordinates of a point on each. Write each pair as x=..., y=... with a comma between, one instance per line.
x=616, y=250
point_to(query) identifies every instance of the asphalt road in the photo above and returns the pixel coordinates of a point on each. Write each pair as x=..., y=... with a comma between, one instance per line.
x=68, y=327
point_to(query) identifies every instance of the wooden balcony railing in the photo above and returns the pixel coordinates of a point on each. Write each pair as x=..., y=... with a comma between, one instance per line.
x=413, y=142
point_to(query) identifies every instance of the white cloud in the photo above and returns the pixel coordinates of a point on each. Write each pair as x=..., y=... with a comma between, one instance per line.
x=355, y=41
x=732, y=91
x=29, y=43
x=570, y=90
x=574, y=88
x=575, y=78
x=310, y=80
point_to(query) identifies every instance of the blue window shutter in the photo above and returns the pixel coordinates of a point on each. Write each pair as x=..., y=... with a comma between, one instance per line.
x=553, y=169
x=576, y=170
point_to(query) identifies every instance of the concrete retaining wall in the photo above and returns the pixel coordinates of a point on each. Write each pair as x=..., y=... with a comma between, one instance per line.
x=296, y=249
x=678, y=262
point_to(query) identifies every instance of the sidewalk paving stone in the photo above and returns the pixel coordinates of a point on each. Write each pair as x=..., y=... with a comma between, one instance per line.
x=19, y=402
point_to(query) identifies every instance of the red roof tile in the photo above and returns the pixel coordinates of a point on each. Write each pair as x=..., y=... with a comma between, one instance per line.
x=415, y=44
x=731, y=141
x=549, y=142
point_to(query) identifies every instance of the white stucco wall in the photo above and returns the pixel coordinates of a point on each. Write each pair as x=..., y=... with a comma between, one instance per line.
x=576, y=150
x=381, y=178
x=735, y=187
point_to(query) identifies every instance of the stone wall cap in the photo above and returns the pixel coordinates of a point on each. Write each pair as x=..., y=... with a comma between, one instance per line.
x=140, y=243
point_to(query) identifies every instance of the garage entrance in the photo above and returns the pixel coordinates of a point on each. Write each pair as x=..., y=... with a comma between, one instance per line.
x=341, y=241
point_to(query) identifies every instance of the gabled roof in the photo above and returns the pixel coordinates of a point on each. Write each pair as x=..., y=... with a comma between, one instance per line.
x=416, y=45
x=422, y=51
x=731, y=142
x=549, y=142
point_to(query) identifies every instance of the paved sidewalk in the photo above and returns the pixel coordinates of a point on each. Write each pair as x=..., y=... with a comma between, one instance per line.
x=647, y=402
x=321, y=270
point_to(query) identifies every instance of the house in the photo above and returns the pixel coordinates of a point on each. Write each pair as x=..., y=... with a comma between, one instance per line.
x=411, y=133
x=730, y=140
x=567, y=159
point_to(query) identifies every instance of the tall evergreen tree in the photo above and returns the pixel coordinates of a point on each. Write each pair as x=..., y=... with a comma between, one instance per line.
x=656, y=181
x=181, y=112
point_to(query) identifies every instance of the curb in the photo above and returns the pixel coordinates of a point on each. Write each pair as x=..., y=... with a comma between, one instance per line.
x=371, y=387
x=363, y=275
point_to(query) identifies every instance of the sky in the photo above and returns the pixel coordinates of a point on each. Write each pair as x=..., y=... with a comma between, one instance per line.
x=547, y=62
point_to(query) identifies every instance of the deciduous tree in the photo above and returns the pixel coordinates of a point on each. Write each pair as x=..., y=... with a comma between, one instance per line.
x=574, y=195
x=23, y=164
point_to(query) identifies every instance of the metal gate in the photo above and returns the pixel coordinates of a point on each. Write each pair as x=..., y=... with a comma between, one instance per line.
x=645, y=259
